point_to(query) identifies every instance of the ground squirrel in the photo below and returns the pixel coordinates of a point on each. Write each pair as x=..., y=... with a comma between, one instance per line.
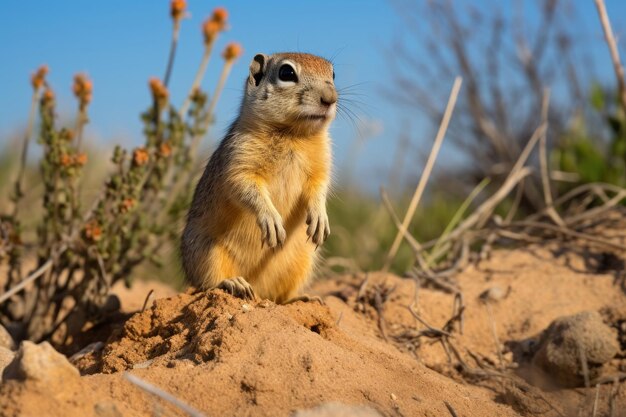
x=259, y=209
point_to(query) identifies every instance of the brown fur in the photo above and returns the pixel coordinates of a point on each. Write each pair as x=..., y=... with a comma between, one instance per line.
x=270, y=172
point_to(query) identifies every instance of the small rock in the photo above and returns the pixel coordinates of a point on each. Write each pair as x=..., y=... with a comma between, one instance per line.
x=6, y=341
x=246, y=308
x=393, y=397
x=39, y=363
x=569, y=339
x=338, y=410
x=493, y=294
x=6, y=356
x=106, y=409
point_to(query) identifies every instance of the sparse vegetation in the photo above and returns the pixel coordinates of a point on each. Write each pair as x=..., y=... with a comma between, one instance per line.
x=81, y=249
x=488, y=258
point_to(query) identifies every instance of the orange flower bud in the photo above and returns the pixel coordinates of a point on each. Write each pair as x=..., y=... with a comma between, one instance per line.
x=126, y=205
x=80, y=159
x=232, y=51
x=140, y=156
x=65, y=160
x=38, y=79
x=82, y=89
x=220, y=16
x=177, y=9
x=93, y=231
x=210, y=30
x=165, y=150
x=159, y=91
x=47, y=99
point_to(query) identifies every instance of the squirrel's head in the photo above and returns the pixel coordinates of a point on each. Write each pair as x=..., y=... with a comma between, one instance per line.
x=291, y=92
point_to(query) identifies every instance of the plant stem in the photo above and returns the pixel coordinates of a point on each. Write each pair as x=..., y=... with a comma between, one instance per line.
x=228, y=65
x=24, y=156
x=170, y=61
x=195, y=142
x=198, y=78
x=81, y=119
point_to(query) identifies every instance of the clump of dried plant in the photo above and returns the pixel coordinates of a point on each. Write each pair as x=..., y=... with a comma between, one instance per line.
x=80, y=252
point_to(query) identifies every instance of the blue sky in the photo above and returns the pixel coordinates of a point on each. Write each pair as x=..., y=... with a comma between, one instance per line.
x=120, y=44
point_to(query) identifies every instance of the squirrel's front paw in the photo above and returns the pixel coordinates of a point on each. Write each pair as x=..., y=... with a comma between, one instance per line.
x=272, y=230
x=319, y=227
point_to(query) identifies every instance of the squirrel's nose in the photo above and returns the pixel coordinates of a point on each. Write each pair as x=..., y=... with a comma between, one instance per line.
x=328, y=97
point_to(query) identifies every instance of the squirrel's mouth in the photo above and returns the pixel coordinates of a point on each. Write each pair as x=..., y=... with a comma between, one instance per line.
x=315, y=116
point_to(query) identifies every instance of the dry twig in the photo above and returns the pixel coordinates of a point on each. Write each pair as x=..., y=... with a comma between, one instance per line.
x=31, y=278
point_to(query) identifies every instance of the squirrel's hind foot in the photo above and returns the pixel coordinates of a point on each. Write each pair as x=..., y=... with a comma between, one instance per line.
x=237, y=287
x=306, y=298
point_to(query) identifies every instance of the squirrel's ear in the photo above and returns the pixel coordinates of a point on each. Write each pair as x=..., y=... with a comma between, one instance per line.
x=257, y=69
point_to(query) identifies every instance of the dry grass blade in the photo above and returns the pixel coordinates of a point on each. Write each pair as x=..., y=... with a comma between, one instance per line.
x=434, y=332
x=451, y=409
x=610, y=40
x=494, y=334
x=147, y=300
x=543, y=163
x=394, y=217
x=561, y=230
x=594, y=411
x=162, y=394
x=443, y=127
x=456, y=218
x=484, y=212
x=613, y=397
x=486, y=209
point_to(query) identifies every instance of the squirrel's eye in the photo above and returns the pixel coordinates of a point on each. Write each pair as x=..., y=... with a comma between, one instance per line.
x=287, y=73
x=333, y=75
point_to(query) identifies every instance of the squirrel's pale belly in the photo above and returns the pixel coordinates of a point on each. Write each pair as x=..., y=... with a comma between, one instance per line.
x=286, y=188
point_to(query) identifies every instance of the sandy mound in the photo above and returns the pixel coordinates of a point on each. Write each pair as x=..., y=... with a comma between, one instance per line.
x=225, y=356
x=277, y=358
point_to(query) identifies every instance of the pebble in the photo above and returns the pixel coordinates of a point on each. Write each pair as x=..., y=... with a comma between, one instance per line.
x=39, y=363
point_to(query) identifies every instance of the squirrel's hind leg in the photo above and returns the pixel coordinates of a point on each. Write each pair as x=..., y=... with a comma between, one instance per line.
x=210, y=266
x=222, y=273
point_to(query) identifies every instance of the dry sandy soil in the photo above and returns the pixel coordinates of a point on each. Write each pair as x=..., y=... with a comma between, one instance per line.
x=228, y=357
